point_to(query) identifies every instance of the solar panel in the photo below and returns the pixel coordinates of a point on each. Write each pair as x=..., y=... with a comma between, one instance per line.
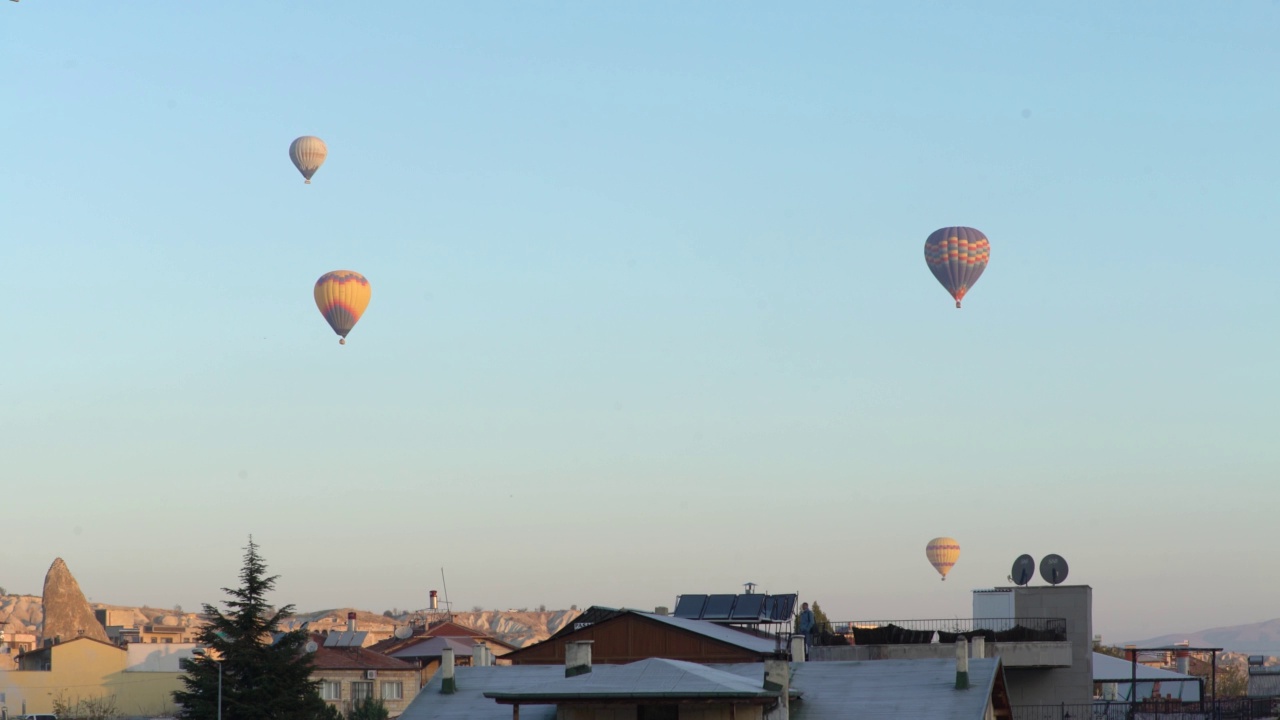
x=748, y=607
x=784, y=606
x=719, y=607
x=690, y=606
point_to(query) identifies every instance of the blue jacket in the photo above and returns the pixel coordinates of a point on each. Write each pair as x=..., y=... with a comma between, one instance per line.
x=806, y=621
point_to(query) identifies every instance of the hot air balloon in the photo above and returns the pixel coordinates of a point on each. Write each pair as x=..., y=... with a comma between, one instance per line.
x=308, y=153
x=957, y=256
x=942, y=553
x=342, y=296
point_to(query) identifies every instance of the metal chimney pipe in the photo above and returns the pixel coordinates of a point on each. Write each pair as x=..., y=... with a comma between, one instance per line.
x=351, y=622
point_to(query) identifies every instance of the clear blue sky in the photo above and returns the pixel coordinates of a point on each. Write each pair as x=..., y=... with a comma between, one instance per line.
x=650, y=311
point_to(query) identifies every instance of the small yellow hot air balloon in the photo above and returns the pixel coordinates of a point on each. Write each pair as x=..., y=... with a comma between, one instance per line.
x=942, y=553
x=342, y=296
x=308, y=153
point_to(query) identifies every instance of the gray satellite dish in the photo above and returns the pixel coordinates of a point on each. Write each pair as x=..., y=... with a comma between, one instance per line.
x=1024, y=568
x=1053, y=568
x=404, y=632
x=311, y=646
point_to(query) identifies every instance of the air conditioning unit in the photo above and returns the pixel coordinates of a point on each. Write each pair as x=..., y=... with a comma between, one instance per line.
x=370, y=674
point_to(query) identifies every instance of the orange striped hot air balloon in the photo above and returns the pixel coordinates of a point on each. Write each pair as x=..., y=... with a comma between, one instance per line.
x=342, y=296
x=942, y=553
x=956, y=257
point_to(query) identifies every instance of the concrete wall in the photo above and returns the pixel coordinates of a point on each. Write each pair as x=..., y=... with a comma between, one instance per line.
x=698, y=711
x=86, y=670
x=1050, y=686
x=408, y=680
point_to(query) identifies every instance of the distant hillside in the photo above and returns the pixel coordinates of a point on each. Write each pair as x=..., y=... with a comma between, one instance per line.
x=1261, y=638
x=25, y=613
x=514, y=627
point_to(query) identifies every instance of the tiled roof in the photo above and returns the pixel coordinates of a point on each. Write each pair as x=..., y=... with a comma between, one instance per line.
x=355, y=658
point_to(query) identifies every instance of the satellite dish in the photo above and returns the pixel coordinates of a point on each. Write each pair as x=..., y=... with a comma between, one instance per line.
x=311, y=646
x=1024, y=568
x=1053, y=568
x=404, y=632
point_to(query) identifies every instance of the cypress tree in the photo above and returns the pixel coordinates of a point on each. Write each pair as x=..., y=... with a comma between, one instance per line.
x=266, y=675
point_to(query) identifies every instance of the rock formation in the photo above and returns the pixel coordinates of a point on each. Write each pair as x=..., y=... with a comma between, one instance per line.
x=67, y=614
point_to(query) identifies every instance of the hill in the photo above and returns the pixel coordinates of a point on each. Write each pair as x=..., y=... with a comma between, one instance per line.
x=25, y=613
x=1261, y=638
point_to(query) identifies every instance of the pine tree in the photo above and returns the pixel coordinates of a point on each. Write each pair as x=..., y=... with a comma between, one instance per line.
x=266, y=675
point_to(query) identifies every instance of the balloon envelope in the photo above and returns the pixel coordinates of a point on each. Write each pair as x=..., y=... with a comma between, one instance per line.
x=308, y=153
x=942, y=553
x=342, y=296
x=957, y=256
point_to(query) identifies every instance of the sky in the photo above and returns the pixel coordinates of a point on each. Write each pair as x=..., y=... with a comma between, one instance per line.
x=650, y=312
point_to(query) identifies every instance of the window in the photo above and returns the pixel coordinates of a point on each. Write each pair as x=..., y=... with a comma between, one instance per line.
x=392, y=690
x=330, y=690
x=361, y=691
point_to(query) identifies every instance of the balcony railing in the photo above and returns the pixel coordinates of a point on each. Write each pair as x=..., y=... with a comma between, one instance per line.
x=948, y=630
x=1222, y=709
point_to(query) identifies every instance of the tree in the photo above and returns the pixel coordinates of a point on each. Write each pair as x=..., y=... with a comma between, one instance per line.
x=369, y=709
x=265, y=673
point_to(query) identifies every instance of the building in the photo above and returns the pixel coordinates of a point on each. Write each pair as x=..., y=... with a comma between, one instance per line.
x=84, y=670
x=350, y=673
x=665, y=689
x=631, y=635
x=1113, y=679
x=422, y=645
x=1042, y=635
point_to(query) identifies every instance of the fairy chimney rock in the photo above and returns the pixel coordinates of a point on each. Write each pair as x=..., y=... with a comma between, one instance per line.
x=67, y=614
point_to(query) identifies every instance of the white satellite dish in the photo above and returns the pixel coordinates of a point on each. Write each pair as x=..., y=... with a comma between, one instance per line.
x=311, y=646
x=404, y=632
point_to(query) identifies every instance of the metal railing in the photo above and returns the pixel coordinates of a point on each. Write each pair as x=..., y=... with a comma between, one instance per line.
x=947, y=630
x=1221, y=709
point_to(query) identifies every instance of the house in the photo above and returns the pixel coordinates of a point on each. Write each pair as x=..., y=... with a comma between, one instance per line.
x=665, y=689
x=1113, y=679
x=350, y=673
x=630, y=635
x=422, y=645
x=134, y=682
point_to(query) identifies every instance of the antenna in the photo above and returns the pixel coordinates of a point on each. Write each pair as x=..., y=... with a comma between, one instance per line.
x=404, y=632
x=448, y=606
x=311, y=646
x=1053, y=568
x=1023, y=570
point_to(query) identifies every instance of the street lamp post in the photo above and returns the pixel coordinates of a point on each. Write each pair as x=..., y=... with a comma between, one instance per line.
x=203, y=653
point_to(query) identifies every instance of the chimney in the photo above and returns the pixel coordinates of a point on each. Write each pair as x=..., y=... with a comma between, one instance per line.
x=480, y=658
x=577, y=658
x=351, y=622
x=797, y=648
x=1130, y=652
x=777, y=678
x=435, y=601
x=962, y=664
x=1183, y=657
x=979, y=649
x=448, y=685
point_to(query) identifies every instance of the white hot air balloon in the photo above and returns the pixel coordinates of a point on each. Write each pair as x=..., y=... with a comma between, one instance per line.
x=308, y=153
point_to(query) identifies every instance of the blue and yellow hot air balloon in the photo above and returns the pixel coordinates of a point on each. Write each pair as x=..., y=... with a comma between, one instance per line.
x=957, y=256
x=342, y=296
x=943, y=552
